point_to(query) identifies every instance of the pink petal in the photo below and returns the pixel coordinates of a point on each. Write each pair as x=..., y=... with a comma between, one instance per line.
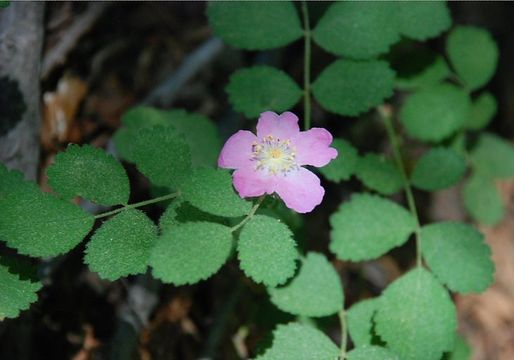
x=313, y=147
x=237, y=151
x=300, y=190
x=251, y=183
x=283, y=126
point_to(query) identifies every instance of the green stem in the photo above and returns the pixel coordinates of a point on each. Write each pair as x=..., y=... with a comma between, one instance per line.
x=344, y=335
x=306, y=68
x=385, y=112
x=139, y=204
x=250, y=214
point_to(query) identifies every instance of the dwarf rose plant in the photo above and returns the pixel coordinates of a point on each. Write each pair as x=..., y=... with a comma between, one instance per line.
x=225, y=202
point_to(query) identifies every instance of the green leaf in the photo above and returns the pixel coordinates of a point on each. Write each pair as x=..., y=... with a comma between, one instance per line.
x=316, y=290
x=180, y=211
x=482, y=111
x=461, y=351
x=300, y=342
x=433, y=73
x=482, y=200
x=360, y=321
x=473, y=54
x=39, y=224
x=162, y=154
x=12, y=181
x=191, y=252
x=90, y=173
x=359, y=30
x=255, y=25
x=16, y=294
x=211, y=190
x=358, y=227
x=122, y=245
x=416, y=317
x=379, y=174
x=349, y=87
x=458, y=256
x=371, y=353
x=267, y=251
x=434, y=113
x=4, y=4
x=343, y=166
x=421, y=20
x=261, y=88
x=438, y=168
x=493, y=157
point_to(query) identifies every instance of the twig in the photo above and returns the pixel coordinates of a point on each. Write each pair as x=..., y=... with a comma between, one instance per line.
x=165, y=93
x=57, y=55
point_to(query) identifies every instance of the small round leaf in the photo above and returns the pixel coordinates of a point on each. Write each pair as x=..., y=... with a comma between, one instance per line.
x=437, y=169
x=421, y=20
x=343, y=166
x=493, y=157
x=360, y=321
x=482, y=200
x=379, y=174
x=482, y=111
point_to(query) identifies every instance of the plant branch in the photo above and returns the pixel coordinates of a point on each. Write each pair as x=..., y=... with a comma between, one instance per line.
x=139, y=204
x=306, y=68
x=250, y=214
x=344, y=334
x=385, y=112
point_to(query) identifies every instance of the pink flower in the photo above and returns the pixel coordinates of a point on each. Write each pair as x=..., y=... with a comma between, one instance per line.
x=272, y=161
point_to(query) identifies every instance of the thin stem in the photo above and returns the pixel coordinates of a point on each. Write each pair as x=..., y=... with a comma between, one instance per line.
x=250, y=214
x=306, y=68
x=385, y=112
x=139, y=204
x=344, y=335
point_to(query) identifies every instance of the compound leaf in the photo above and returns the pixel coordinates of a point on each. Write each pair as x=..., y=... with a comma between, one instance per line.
x=358, y=227
x=416, y=317
x=122, y=245
x=90, y=173
x=316, y=290
x=190, y=252
x=261, y=88
x=349, y=87
x=267, y=251
x=437, y=169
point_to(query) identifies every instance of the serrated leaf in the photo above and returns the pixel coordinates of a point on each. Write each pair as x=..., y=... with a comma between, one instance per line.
x=211, y=190
x=431, y=74
x=16, y=294
x=434, y=113
x=421, y=20
x=300, y=342
x=180, y=211
x=367, y=28
x=162, y=154
x=481, y=112
x=261, y=88
x=368, y=352
x=458, y=256
x=349, y=87
x=12, y=181
x=39, y=224
x=267, y=251
x=358, y=227
x=482, y=200
x=191, y=252
x=379, y=174
x=473, y=54
x=461, y=351
x=343, y=166
x=360, y=324
x=316, y=290
x=493, y=157
x=416, y=317
x=255, y=25
x=90, y=173
x=437, y=169
x=122, y=245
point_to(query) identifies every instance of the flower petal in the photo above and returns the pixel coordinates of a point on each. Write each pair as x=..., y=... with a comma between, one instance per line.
x=251, y=183
x=313, y=147
x=237, y=151
x=300, y=190
x=283, y=126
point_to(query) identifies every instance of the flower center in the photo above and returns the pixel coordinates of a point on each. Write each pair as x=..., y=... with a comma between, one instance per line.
x=274, y=155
